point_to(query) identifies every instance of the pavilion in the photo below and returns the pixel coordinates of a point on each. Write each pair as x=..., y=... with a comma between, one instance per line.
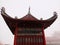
x=28, y=30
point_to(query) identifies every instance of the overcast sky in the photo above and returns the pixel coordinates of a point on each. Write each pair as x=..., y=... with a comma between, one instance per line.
x=39, y=9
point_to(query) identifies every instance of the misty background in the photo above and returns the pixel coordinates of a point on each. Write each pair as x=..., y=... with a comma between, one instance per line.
x=39, y=9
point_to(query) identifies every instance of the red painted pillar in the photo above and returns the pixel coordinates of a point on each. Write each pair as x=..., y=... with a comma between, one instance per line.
x=44, y=41
x=14, y=39
x=15, y=35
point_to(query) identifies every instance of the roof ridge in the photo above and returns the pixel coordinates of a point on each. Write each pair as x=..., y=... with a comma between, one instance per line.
x=29, y=17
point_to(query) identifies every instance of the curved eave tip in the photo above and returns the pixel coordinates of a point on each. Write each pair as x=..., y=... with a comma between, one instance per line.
x=55, y=13
x=3, y=9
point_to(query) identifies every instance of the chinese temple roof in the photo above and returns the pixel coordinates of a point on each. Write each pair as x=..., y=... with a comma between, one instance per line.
x=29, y=16
x=28, y=19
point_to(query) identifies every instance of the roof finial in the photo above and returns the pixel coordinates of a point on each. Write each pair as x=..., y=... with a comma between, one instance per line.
x=29, y=10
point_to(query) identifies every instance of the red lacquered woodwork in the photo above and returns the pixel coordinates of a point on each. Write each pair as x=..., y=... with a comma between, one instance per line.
x=28, y=30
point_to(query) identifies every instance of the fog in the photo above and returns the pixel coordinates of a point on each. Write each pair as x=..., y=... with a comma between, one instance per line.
x=39, y=9
x=54, y=40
